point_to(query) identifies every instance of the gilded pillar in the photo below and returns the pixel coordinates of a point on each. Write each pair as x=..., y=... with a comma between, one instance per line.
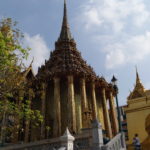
x=94, y=106
x=113, y=113
x=106, y=115
x=57, y=121
x=83, y=103
x=71, y=105
x=43, y=100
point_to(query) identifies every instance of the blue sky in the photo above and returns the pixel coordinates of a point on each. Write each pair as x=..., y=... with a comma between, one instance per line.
x=112, y=35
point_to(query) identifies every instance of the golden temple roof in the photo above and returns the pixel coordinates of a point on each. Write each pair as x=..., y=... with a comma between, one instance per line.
x=65, y=59
x=139, y=90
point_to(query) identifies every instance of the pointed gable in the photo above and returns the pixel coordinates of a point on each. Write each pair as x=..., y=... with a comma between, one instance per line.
x=138, y=90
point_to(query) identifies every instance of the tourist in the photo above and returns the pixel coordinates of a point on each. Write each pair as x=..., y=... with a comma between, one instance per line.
x=136, y=142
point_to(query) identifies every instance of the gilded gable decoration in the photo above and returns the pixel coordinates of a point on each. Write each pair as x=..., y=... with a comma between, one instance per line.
x=138, y=90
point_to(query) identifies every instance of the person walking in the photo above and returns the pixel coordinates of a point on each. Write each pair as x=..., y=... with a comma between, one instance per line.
x=136, y=142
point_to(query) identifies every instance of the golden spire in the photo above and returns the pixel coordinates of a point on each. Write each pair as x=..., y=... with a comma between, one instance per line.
x=138, y=84
x=65, y=31
x=137, y=76
x=138, y=90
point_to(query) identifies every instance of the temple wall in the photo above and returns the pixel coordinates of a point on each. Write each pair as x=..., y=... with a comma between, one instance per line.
x=78, y=106
x=100, y=109
x=50, y=106
x=78, y=112
x=64, y=104
x=89, y=97
x=65, y=108
x=136, y=115
x=34, y=135
x=136, y=124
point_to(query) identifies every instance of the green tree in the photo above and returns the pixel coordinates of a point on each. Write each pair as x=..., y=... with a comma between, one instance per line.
x=12, y=81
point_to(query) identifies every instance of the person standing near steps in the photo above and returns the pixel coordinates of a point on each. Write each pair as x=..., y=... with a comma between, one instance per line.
x=136, y=142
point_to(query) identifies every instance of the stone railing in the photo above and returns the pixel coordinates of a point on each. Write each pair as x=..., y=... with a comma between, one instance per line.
x=117, y=143
x=91, y=140
x=64, y=142
x=82, y=141
x=39, y=145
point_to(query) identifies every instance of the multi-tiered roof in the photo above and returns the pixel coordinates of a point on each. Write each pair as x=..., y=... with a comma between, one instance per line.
x=66, y=59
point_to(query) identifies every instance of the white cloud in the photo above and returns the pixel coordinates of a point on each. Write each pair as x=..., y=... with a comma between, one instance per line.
x=115, y=58
x=147, y=85
x=93, y=16
x=113, y=13
x=39, y=50
x=120, y=27
x=132, y=50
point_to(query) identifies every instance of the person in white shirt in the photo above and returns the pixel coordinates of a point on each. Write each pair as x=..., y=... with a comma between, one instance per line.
x=136, y=142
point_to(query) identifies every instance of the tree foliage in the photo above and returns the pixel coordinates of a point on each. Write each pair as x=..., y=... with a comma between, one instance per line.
x=11, y=56
x=12, y=81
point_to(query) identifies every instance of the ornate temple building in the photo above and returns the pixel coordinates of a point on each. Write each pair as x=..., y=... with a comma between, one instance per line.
x=68, y=92
x=137, y=110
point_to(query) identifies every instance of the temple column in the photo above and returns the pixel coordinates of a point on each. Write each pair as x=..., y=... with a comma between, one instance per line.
x=83, y=102
x=57, y=121
x=71, y=105
x=94, y=106
x=113, y=113
x=43, y=100
x=106, y=115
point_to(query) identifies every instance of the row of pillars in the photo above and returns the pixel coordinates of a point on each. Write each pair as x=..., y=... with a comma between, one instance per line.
x=84, y=106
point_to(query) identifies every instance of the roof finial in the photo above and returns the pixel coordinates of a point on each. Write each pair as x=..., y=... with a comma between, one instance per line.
x=65, y=31
x=137, y=75
x=139, y=89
